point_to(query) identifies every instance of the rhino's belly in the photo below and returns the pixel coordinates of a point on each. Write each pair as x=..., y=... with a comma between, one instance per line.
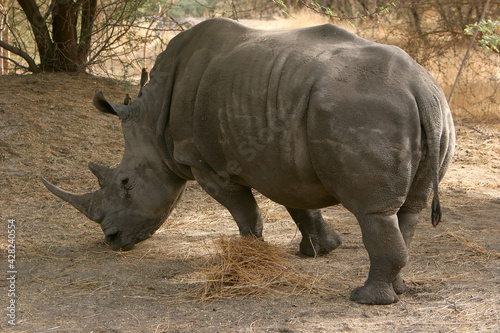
x=295, y=186
x=305, y=196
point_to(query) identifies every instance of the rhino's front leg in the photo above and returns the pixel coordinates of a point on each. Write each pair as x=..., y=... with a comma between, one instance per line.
x=318, y=237
x=388, y=254
x=238, y=199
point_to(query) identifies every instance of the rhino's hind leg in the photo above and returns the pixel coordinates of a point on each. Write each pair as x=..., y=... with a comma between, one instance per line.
x=407, y=220
x=238, y=199
x=318, y=238
x=388, y=254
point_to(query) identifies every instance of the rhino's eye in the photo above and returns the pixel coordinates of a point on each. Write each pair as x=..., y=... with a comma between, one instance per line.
x=126, y=183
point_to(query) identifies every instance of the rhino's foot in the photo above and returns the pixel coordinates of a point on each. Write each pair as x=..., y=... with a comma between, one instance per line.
x=375, y=293
x=399, y=285
x=313, y=245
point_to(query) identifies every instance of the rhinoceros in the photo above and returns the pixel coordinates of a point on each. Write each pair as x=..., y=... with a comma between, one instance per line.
x=309, y=117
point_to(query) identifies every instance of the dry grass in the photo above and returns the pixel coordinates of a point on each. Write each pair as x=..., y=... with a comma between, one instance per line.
x=243, y=266
x=472, y=245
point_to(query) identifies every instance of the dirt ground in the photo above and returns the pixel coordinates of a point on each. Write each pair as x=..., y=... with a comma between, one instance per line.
x=69, y=280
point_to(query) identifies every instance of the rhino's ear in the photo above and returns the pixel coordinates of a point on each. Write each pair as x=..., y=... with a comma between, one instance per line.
x=102, y=104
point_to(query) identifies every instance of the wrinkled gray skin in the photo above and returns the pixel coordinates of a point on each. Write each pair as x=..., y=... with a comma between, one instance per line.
x=310, y=118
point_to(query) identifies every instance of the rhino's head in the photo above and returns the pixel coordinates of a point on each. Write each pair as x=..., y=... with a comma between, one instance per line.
x=137, y=196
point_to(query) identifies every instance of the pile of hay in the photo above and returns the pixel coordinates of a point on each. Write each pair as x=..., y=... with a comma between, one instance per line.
x=243, y=266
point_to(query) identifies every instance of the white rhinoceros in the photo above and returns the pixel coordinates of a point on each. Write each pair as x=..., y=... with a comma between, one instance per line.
x=308, y=117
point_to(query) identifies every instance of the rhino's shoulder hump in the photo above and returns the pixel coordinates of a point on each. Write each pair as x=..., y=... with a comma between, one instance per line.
x=218, y=29
x=330, y=34
x=220, y=23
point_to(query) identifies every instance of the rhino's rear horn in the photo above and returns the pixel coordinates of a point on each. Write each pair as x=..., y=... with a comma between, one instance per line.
x=82, y=202
x=102, y=173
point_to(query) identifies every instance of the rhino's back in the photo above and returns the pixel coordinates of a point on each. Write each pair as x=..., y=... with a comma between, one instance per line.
x=276, y=109
x=251, y=108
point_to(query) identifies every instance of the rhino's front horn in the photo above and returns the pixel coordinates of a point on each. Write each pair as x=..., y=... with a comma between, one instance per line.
x=82, y=202
x=102, y=173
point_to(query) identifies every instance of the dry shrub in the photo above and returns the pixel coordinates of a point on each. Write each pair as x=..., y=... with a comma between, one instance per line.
x=243, y=266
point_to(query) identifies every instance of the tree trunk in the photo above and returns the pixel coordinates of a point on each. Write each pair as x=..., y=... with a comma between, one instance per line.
x=415, y=13
x=4, y=37
x=59, y=52
x=89, y=10
x=40, y=31
x=63, y=33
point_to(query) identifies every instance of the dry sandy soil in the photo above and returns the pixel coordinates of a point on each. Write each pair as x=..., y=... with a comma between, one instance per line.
x=68, y=279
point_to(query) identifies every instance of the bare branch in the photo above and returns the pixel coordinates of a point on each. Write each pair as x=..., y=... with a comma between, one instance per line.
x=450, y=97
x=15, y=63
x=323, y=10
x=31, y=63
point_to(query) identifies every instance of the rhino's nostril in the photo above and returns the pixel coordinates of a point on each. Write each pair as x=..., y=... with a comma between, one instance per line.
x=112, y=236
x=111, y=239
x=113, y=231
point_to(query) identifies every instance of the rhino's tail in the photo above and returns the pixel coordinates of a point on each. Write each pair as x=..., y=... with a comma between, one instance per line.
x=436, y=207
x=431, y=115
